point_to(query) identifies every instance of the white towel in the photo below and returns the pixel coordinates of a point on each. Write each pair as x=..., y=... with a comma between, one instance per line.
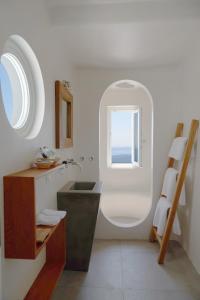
x=53, y=212
x=47, y=220
x=160, y=217
x=182, y=199
x=177, y=148
x=169, y=186
x=169, y=183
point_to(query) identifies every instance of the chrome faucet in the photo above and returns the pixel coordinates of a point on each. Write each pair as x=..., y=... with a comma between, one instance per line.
x=72, y=162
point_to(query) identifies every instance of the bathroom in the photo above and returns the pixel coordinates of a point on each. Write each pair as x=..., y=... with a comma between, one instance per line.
x=155, y=49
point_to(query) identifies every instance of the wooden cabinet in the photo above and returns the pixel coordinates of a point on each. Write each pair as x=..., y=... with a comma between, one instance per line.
x=20, y=232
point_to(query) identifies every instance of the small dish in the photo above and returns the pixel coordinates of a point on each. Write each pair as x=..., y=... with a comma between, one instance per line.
x=43, y=164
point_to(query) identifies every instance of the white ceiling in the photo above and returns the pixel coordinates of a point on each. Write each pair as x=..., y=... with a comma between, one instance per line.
x=117, y=33
x=75, y=2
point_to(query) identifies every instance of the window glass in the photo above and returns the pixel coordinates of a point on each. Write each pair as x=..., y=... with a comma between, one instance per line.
x=136, y=136
x=18, y=108
x=121, y=144
x=6, y=92
x=124, y=136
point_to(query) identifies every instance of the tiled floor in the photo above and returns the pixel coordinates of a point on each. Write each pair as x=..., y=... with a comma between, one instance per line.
x=128, y=270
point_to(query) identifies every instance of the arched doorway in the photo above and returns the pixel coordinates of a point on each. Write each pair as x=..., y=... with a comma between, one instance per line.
x=126, y=115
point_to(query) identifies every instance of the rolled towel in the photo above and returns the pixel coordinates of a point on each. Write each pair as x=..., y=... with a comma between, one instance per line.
x=169, y=183
x=53, y=212
x=47, y=220
x=177, y=148
x=160, y=217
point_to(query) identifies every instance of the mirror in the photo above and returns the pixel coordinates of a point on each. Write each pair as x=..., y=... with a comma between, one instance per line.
x=63, y=116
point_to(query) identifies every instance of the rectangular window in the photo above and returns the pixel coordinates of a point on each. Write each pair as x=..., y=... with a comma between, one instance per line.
x=124, y=136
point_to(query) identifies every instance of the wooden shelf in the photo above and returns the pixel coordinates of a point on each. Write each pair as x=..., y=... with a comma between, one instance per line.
x=34, y=172
x=45, y=282
x=19, y=212
x=39, y=246
x=20, y=231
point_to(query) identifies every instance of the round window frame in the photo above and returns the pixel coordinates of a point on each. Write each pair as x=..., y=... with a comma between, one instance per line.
x=20, y=91
x=19, y=48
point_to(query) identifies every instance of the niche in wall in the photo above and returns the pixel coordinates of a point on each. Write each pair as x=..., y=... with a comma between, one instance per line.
x=125, y=147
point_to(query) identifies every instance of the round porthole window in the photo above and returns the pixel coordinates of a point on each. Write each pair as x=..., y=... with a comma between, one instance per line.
x=22, y=87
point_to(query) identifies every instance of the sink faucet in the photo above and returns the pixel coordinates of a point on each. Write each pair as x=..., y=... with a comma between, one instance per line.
x=72, y=162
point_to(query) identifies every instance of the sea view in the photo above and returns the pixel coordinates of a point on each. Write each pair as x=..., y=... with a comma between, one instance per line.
x=121, y=155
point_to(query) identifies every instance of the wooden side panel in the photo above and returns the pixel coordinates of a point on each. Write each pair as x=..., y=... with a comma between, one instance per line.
x=56, y=246
x=19, y=217
x=45, y=282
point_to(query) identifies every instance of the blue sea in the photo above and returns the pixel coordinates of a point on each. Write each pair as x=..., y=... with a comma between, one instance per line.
x=121, y=155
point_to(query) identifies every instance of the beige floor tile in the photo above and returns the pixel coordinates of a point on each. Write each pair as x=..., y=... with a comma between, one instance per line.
x=104, y=271
x=138, y=246
x=102, y=277
x=72, y=279
x=158, y=295
x=128, y=270
x=85, y=293
x=140, y=271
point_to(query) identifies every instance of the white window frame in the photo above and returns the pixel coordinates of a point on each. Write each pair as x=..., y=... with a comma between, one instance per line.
x=130, y=108
x=20, y=90
x=26, y=81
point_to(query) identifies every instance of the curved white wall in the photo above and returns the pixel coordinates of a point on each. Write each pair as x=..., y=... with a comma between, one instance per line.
x=127, y=192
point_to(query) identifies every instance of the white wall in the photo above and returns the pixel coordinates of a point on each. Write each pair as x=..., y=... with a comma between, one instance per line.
x=190, y=108
x=29, y=20
x=164, y=84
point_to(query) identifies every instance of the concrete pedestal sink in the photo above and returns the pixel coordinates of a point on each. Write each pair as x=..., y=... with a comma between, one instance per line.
x=81, y=201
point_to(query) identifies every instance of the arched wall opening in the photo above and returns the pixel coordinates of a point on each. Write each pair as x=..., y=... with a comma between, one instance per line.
x=126, y=153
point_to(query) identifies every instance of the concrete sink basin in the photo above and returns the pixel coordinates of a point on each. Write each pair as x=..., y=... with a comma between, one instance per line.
x=82, y=186
x=81, y=201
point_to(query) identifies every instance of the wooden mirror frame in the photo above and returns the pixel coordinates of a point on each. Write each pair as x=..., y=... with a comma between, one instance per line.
x=62, y=93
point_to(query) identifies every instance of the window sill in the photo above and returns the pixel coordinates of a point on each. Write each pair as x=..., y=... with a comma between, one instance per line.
x=124, y=166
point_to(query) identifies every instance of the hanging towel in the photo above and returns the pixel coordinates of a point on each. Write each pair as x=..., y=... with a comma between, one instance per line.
x=169, y=186
x=169, y=183
x=177, y=148
x=182, y=199
x=47, y=220
x=160, y=217
x=53, y=212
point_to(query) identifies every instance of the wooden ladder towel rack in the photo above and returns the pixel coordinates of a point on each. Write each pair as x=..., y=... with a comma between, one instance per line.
x=163, y=241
